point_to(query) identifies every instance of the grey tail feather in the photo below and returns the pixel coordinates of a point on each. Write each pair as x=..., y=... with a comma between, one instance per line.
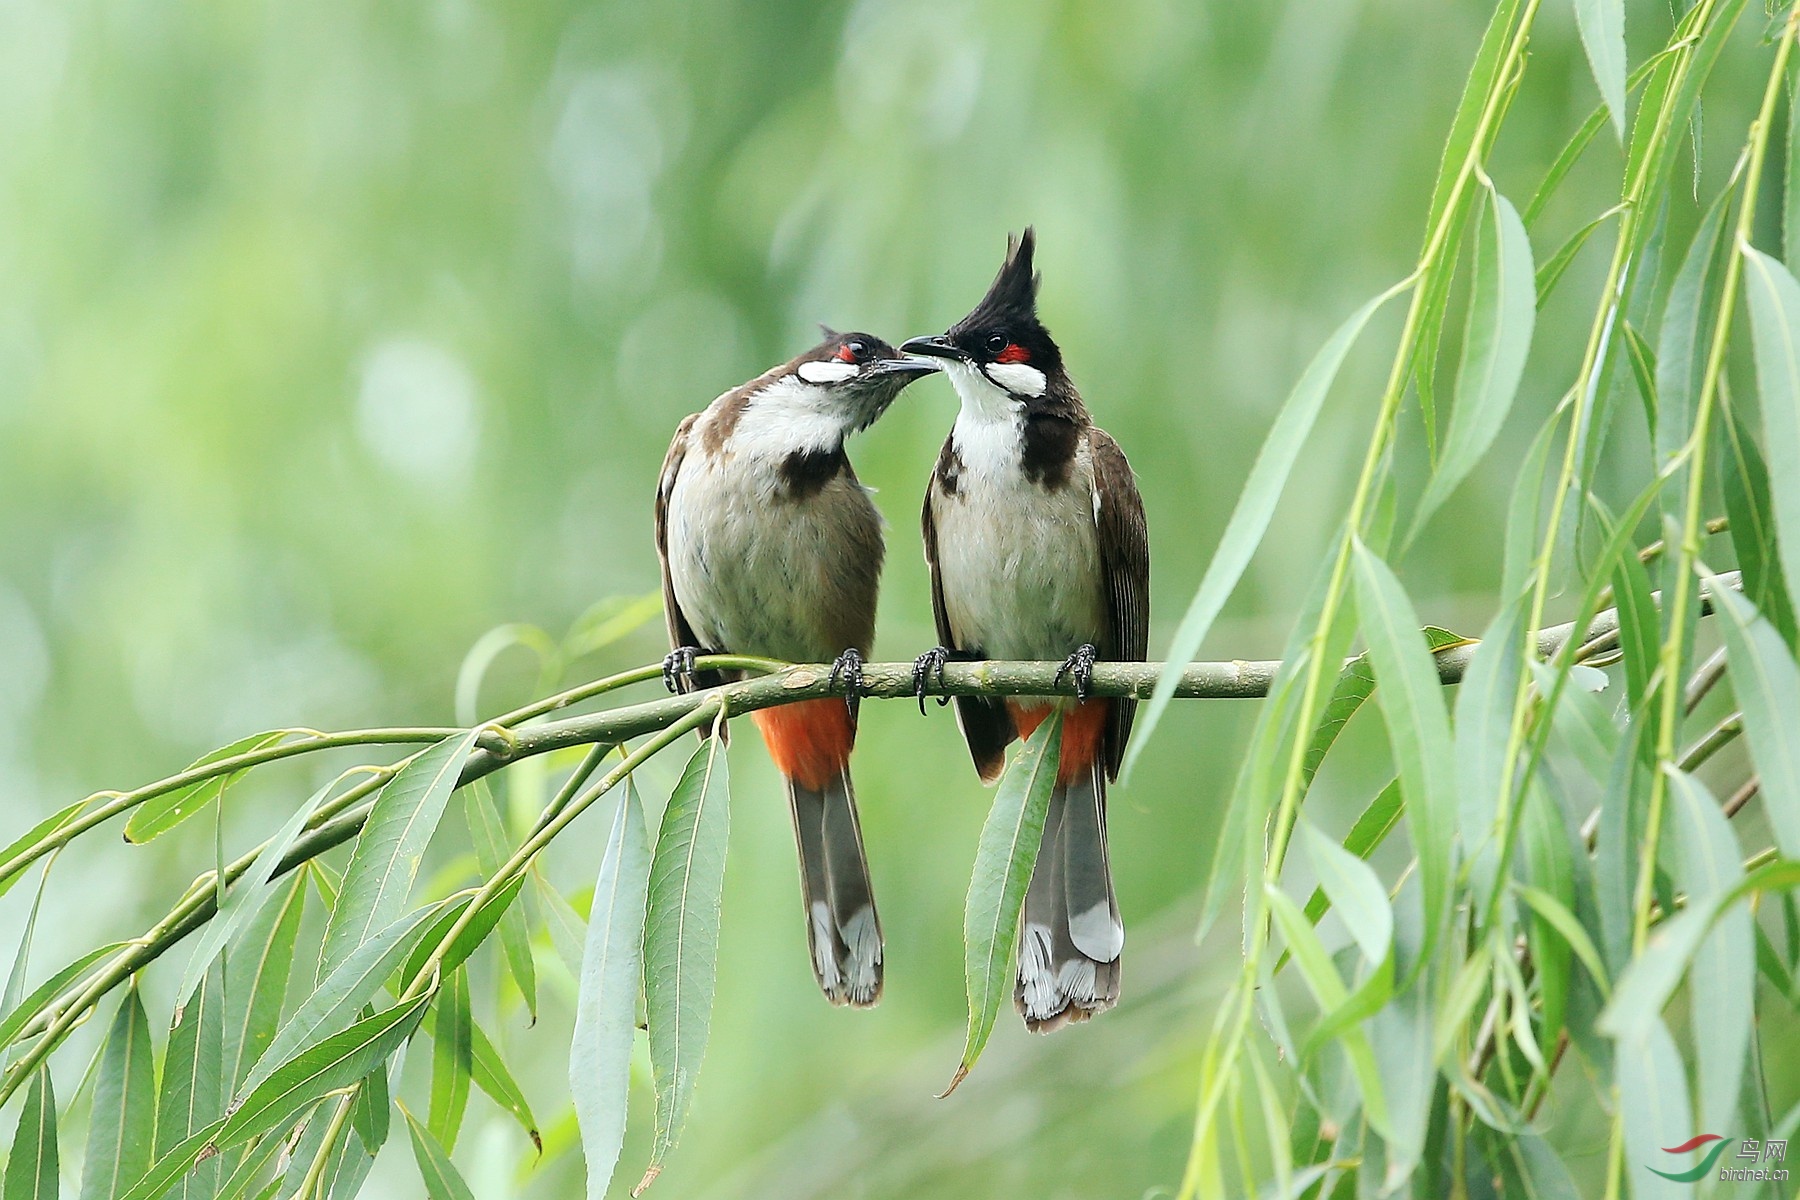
x=843, y=930
x=1070, y=938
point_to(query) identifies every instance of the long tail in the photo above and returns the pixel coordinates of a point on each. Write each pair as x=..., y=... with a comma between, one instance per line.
x=1072, y=937
x=842, y=927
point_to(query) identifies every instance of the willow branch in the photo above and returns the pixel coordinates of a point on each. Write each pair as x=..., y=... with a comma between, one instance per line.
x=1234, y=680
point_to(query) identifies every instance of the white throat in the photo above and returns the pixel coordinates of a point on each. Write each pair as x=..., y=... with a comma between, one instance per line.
x=989, y=433
x=789, y=416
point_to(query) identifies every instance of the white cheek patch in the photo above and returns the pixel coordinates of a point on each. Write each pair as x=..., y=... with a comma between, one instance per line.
x=1021, y=379
x=830, y=371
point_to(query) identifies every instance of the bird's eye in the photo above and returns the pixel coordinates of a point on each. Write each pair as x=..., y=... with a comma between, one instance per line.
x=851, y=352
x=996, y=343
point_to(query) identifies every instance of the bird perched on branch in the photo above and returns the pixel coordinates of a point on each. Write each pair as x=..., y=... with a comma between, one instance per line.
x=1035, y=534
x=770, y=546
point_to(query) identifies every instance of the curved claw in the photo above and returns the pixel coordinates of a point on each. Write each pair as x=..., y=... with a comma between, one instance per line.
x=924, y=666
x=849, y=668
x=1081, y=665
x=678, y=668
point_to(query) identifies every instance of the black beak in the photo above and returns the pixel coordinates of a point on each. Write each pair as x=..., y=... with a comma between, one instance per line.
x=936, y=346
x=905, y=369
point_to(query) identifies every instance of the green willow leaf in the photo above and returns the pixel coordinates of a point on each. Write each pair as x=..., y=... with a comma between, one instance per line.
x=31, y=1170
x=1774, y=301
x=1687, y=323
x=489, y=839
x=1412, y=703
x=1557, y=264
x=257, y=970
x=452, y=1056
x=1653, y=1102
x=1767, y=685
x=1463, y=126
x=1502, y=313
x=1750, y=507
x=1707, y=864
x=122, y=1126
x=1355, y=892
x=48, y=827
x=1327, y=988
x=382, y=868
x=1003, y=863
x=606, y=1005
x=1355, y=684
x=319, y=1069
x=1558, y=917
x=247, y=897
x=21, y=1013
x=331, y=1006
x=1255, y=508
x=194, y=1091
x=1371, y=829
x=1484, y=706
x=493, y=1077
x=158, y=815
x=1602, y=25
x=681, y=938
x=441, y=1178
x=472, y=935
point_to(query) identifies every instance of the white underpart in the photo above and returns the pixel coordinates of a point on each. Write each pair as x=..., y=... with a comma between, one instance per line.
x=1021, y=379
x=829, y=371
x=745, y=567
x=1019, y=563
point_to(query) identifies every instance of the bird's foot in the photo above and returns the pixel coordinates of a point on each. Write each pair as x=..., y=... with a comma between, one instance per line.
x=924, y=667
x=849, y=668
x=1081, y=665
x=678, y=668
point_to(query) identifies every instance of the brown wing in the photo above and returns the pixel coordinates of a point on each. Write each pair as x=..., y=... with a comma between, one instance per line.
x=986, y=724
x=680, y=632
x=1125, y=563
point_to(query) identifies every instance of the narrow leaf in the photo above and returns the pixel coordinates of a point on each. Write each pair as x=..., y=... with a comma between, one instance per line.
x=48, y=827
x=320, y=1069
x=1707, y=865
x=1484, y=709
x=1412, y=703
x=1255, y=507
x=1371, y=829
x=257, y=969
x=606, y=1005
x=1774, y=302
x=122, y=1126
x=193, y=1090
x=1602, y=25
x=21, y=1013
x=681, y=938
x=31, y=1171
x=492, y=1077
x=1502, y=312
x=1653, y=1100
x=158, y=815
x=379, y=877
x=331, y=1006
x=1767, y=685
x=489, y=839
x=452, y=1057
x=1751, y=508
x=1355, y=891
x=1003, y=862
x=1688, y=318
x=441, y=1178
x=247, y=897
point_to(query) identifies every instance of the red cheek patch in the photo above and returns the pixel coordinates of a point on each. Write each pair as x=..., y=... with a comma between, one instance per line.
x=1013, y=353
x=844, y=354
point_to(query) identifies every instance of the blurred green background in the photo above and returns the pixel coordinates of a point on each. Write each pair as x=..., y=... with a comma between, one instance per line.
x=333, y=335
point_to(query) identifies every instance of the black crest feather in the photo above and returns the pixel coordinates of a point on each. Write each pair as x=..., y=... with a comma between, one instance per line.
x=1012, y=298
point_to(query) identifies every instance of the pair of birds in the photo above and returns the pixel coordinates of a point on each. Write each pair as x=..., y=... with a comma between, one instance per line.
x=1035, y=535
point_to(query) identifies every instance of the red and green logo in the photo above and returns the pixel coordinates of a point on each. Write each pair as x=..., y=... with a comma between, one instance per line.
x=1706, y=1164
